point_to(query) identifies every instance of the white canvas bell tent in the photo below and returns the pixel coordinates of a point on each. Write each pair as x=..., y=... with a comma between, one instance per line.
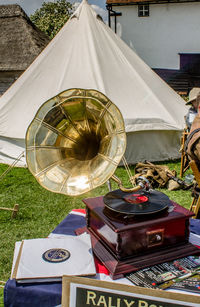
x=86, y=53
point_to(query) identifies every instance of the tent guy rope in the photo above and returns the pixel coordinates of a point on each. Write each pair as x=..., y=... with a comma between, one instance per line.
x=15, y=209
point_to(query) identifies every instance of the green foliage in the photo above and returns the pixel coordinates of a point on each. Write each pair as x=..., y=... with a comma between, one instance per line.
x=40, y=211
x=52, y=16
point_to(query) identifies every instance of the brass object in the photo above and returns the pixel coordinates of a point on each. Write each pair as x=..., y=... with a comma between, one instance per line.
x=14, y=210
x=155, y=237
x=140, y=185
x=75, y=142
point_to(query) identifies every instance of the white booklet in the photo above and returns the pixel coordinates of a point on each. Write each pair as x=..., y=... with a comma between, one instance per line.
x=39, y=260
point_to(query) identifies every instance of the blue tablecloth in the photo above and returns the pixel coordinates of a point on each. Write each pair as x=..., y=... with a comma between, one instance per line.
x=49, y=294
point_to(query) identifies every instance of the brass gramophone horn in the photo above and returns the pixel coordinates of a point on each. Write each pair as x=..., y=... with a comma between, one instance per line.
x=75, y=142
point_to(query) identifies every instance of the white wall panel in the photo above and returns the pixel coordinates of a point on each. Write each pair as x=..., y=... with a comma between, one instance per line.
x=170, y=29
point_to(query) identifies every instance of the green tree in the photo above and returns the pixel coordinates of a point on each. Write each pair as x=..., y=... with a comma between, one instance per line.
x=52, y=16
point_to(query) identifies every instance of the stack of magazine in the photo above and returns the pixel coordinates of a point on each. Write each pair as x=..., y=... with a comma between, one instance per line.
x=48, y=259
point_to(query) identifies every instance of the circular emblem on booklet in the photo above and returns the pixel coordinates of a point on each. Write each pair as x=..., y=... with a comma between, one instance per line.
x=56, y=255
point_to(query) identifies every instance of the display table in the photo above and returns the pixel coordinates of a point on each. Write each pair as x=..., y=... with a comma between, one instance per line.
x=49, y=294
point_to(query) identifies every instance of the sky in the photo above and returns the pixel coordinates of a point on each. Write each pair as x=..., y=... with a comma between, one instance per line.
x=30, y=6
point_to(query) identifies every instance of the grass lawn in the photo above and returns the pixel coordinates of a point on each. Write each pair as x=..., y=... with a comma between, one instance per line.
x=1, y=297
x=41, y=211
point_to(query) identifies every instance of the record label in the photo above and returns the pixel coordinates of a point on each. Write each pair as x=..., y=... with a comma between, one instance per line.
x=56, y=255
x=136, y=199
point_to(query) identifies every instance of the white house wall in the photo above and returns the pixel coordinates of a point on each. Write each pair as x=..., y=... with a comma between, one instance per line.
x=170, y=29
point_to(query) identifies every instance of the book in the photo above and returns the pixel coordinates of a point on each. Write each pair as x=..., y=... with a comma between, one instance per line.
x=39, y=260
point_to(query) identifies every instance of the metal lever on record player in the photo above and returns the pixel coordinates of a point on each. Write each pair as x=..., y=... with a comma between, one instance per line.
x=142, y=183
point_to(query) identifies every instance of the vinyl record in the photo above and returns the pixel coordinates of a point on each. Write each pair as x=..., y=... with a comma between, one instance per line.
x=136, y=203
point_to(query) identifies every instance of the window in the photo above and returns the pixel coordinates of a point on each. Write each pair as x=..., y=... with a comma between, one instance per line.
x=143, y=10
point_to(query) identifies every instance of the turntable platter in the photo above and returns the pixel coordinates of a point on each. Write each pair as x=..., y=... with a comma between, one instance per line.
x=137, y=203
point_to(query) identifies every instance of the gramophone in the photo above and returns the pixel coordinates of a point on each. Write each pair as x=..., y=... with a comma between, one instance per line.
x=73, y=145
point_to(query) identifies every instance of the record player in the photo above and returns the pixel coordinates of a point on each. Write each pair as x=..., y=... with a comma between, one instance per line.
x=73, y=145
x=131, y=231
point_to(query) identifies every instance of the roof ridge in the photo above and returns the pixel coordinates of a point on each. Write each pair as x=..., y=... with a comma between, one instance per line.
x=11, y=10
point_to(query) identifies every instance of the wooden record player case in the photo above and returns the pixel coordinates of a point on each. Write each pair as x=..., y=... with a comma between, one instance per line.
x=129, y=245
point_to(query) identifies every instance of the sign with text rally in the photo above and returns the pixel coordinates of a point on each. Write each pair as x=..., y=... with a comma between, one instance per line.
x=86, y=292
